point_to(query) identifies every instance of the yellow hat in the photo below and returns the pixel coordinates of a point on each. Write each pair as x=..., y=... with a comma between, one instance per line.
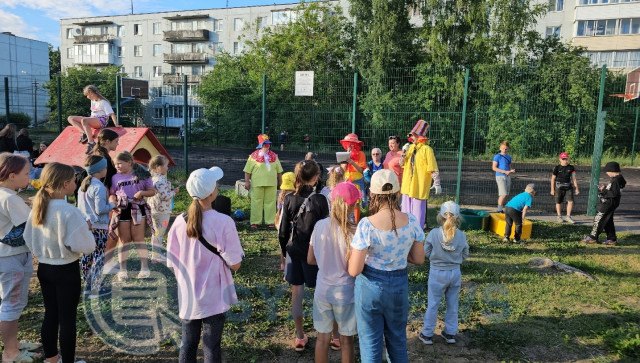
x=287, y=181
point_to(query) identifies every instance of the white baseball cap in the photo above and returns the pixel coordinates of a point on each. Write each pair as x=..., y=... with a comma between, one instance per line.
x=382, y=177
x=449, y=207
x=203, y=182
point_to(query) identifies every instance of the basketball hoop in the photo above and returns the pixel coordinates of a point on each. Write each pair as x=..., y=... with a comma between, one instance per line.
x=626, y=96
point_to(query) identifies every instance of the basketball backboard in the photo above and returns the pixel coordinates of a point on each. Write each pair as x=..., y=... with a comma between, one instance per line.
x=134, y=88
x=632, y=89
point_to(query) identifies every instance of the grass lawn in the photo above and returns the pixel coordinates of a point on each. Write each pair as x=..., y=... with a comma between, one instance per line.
x=508, y=310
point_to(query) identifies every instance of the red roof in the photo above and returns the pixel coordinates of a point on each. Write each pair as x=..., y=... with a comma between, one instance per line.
x=66, y=149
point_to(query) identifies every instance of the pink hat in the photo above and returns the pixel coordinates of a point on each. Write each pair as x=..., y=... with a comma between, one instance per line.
x=420, y=129
x=348, y=191
x=350, y=139
x=564, y=156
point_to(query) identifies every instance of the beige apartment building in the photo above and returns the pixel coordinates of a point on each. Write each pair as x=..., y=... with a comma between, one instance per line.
x=608, y=29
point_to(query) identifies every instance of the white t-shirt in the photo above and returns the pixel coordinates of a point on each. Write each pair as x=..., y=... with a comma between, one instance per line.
x=334, y=285
x=13, y=212
x=101, y=108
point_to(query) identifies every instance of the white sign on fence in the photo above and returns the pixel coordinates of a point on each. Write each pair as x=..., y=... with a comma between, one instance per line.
x=304, y=83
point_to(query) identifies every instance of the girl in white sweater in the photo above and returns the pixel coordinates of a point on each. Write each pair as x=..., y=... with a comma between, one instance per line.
x=58, y=234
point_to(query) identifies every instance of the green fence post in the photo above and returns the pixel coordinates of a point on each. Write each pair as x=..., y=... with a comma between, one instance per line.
x=597, y=149
x=577, y=143
x=118, y=96
x=59, y=85
x=6, y=98
x=355, y=102
x=475, y=130
x=186, y=128
x=264, y=100
x=633, y=142
x=524, y=132
x=463, y=121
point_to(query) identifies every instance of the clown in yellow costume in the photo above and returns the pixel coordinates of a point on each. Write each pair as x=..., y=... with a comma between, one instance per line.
x=419, y=169
x=262, y=174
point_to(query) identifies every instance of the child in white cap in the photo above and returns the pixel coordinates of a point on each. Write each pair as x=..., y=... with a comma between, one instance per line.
x=446, y=247
x=202, y=248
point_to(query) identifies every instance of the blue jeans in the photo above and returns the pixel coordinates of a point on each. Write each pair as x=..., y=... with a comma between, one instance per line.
x=382, y=309
x=211, y=330
x=442, y=283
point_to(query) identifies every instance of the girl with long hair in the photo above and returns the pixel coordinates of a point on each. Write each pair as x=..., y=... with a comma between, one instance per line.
x=333, y=301
x=205, y=283
x=446, y=248
x=58, y=235
x=382, y=246
x=100, y=112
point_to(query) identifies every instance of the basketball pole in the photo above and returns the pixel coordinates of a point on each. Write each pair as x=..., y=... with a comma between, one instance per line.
x=635, y=132
x=598, y=140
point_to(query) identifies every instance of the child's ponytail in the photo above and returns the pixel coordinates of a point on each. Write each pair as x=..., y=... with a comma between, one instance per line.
x=53, y=177
x=340, y=212
x=449, y=226
x=194, y=219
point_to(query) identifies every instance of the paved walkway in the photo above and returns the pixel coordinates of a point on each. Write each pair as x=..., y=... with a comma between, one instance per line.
x=624, y=223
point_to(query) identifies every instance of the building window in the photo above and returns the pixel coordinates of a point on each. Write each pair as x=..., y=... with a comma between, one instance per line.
x=604, y=27
x=262, y=22
x=554, y=31
x=158, y=112
x=69, y=53
x=197, y=70
x=620, y=59
x=237, y=47
x=157, y=71
x=122, y=69
x=282, y=17
x=137, y=51
x=121, y=30
x=69, y=33
x=137, y=29
x=157, y=50
x=238, y=24
x=157, y=28
x=634, y=58
x=556, y=5
x=120, y=52
x=137, y=71
x=218, y=48
x=217, y=25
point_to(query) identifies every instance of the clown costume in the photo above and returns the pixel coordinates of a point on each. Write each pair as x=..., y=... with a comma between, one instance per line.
x=262, y=174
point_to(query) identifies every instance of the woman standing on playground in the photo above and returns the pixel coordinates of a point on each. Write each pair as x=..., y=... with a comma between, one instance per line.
x=100, y=112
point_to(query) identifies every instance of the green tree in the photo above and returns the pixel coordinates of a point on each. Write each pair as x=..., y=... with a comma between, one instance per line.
x=316, y=40
x=72, y=84
x=54, y=61
x=466, y=32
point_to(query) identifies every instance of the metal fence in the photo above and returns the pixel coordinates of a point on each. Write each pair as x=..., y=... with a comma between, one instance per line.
x=540, y=110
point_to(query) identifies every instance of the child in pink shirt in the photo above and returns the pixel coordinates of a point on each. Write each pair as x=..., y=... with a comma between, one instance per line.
x=202, y=248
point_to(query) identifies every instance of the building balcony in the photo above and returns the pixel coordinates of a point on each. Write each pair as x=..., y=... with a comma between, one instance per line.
x=607, y=42
x=178, y=79
x=95, y=59
x=87, y=39
x=186, y=58
x=186, y=35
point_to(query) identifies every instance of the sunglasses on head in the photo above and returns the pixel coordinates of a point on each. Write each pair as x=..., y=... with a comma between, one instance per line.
x=393, y=138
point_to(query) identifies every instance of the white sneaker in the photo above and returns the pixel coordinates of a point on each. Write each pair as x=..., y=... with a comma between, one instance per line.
x=559, y=219
x=122, y=275
x=569, y=219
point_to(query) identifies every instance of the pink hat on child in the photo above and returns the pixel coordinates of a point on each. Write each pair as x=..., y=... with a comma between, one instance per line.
x=348, y=191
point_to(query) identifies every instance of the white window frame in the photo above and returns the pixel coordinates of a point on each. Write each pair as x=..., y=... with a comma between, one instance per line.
x=69, y=33
x=69, y=53
x=157, y=50
x=137, y=71
x=157, y=71
x=218, y=25
x=137, y=50
x=137, y=29
x=157, y=28
x=122, y=30
x=556, y=5
x=238, y=24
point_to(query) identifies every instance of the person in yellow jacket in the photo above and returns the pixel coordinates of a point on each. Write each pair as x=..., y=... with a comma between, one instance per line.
x=262, y=174
x=419, y=169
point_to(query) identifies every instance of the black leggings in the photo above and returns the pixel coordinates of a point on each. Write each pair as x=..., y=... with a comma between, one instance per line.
x=60, y=286
x=604, y=221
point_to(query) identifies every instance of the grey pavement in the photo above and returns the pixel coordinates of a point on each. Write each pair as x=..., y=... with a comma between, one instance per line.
x=624, y=223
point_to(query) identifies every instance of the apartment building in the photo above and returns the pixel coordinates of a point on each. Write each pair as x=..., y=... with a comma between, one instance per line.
x=25, y=64
x=608, y=29
x=163, y=47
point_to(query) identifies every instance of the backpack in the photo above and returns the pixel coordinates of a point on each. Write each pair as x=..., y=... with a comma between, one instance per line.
x=298, y=249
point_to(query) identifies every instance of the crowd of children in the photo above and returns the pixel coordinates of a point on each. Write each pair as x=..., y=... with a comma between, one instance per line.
x=358, y=267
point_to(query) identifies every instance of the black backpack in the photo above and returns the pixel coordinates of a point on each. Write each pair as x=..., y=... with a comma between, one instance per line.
x=295, y=248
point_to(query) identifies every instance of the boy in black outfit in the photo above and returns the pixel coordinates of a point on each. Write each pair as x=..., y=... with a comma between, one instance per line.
x=608, y=201
x=564, y=175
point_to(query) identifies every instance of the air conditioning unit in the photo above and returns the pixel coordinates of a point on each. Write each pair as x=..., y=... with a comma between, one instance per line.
x=77, y=31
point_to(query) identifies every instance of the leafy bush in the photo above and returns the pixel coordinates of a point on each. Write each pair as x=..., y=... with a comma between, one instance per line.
x=21, y=120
